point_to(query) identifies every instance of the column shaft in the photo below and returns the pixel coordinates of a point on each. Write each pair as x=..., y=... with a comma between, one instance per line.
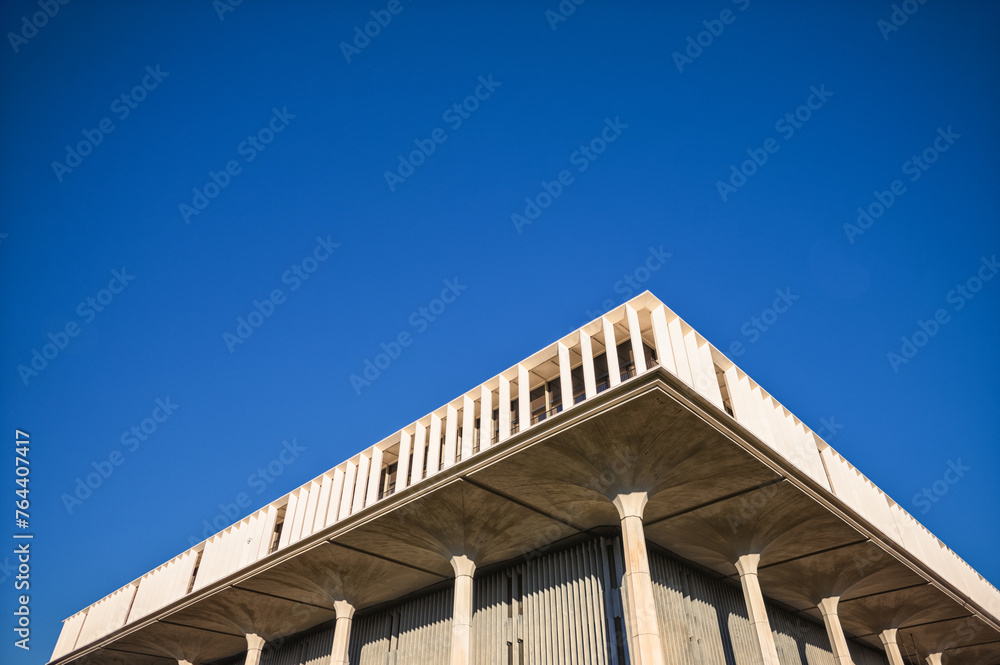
x=756, y=610
x=342, y=633
x=888, y=638
x=640, y=607
x=255, y=644
x=461, y=626
x=834, y=631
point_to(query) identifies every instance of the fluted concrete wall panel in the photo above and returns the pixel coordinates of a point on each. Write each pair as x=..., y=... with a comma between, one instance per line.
x=799, y=642
x=310, y=649
x=494, y=620
x=564, y=619
x=703, y=621
x=416, y=632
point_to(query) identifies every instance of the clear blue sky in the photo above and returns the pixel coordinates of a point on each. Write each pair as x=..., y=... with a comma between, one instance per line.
x=333, y=128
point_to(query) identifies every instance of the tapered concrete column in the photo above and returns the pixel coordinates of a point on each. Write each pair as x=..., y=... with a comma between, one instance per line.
x=461, y=626
x=834, y=631
x=933, y=659
x=747, y=567
x=342, y=632
x=643, y=628
x=255, y=644
x=888, y=638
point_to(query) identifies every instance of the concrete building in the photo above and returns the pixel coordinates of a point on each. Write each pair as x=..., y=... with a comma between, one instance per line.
x=627, y=495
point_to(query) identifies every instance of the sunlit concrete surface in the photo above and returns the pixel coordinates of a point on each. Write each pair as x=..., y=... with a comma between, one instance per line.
x=649, y=505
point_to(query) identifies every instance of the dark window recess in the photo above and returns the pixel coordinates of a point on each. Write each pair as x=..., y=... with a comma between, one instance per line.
x=194, y=572
x=650, y=354
x=727, y=402
x=601, y=372
x=579, y=394
x=387, y=481
x=476, y=441
x=279, y=523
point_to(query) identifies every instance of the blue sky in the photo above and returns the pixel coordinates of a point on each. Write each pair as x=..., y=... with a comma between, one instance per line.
x=279, y=139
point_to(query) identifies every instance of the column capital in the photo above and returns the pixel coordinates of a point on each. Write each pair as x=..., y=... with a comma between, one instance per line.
x=747, y=564
x=344, y=609
x=631, y=504
x=933, y=658
x=888, y=636
x=463, y=566
x=828, y=605
x=255, y=645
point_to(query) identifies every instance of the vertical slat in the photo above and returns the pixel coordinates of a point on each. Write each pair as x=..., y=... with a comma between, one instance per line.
x=503, y=409
x=450, y=435
x=587, y=351
x=468, y=425
x=638, y=354
x=485, y=417
x=419, y=445
x=434, y=446
x=403, y=470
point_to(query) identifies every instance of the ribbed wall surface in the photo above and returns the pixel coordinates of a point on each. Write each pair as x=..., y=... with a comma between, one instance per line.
x=554, y=609
x=546, y=611
x=703, y=621
x=417, y=632
x=311, y=649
